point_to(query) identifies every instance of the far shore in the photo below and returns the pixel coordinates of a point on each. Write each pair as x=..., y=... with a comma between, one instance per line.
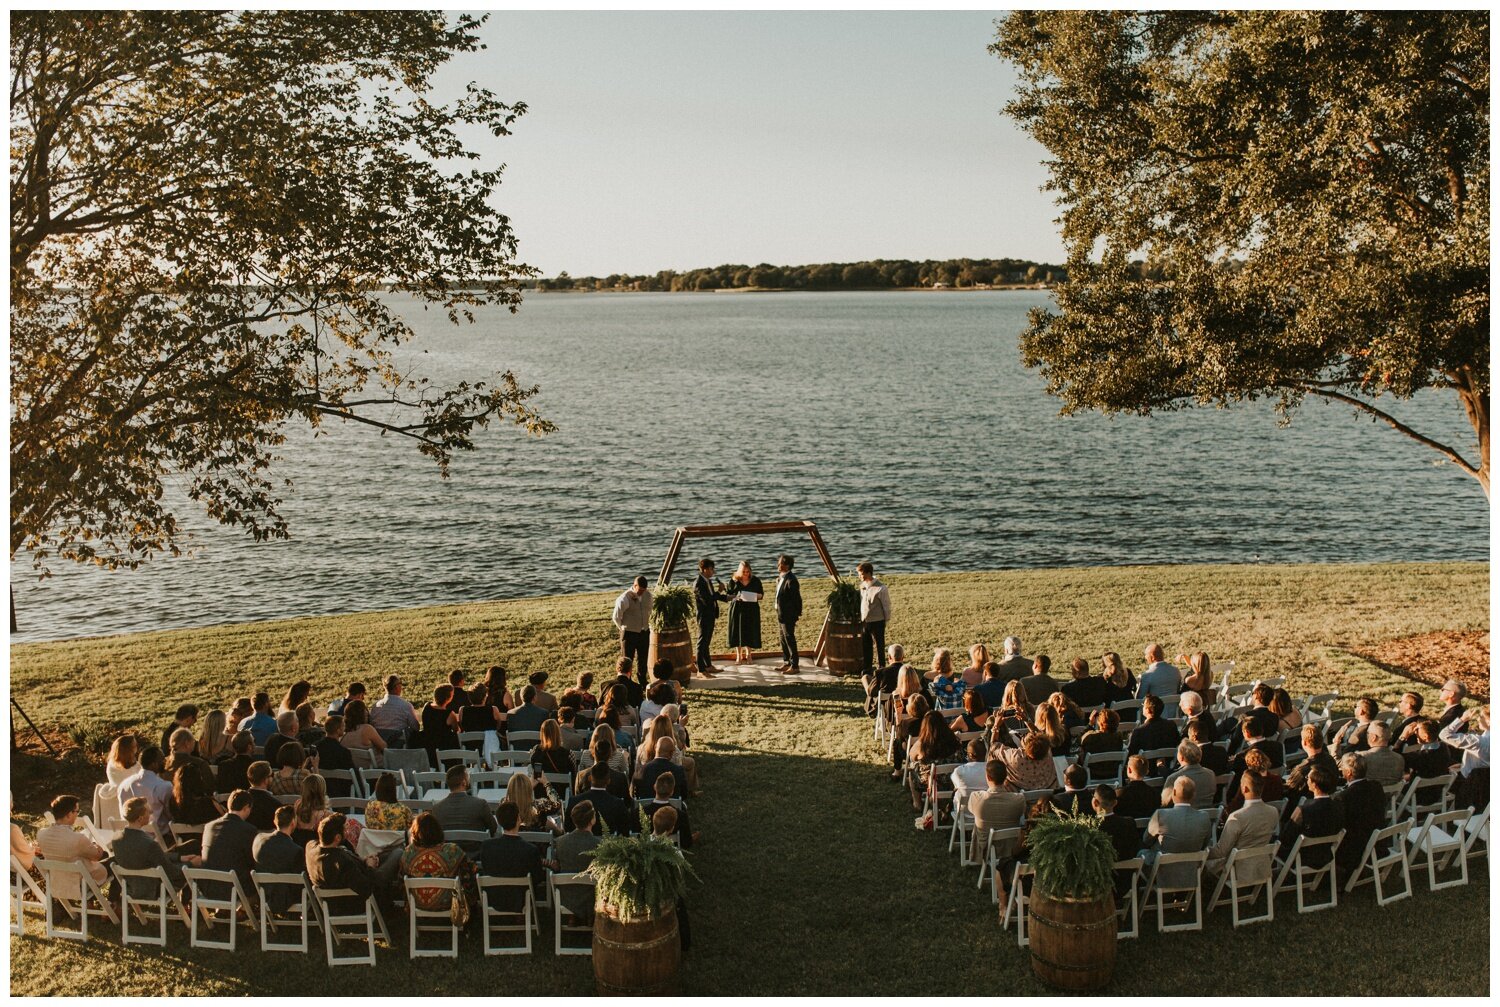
x=797, y=290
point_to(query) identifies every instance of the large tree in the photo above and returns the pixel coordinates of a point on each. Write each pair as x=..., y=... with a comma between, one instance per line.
x=205, y=210
x=1264, y=205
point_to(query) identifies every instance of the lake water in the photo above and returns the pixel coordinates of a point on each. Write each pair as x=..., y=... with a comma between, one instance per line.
x=902, y=423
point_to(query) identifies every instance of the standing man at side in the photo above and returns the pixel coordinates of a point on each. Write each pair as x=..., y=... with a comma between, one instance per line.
x=788, y=611
x=633, y=619
x=708, y=597
x=874, y=611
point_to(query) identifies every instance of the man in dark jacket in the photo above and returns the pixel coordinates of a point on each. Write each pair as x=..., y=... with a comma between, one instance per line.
x=228, y=844
x=233, y=772
x=1363, y=805
x=645, y=783
x=1316, y=817
x=788, y=611
x=617, y=814
x=1122, y=832
x=1317, y=758
x=509, y=856
x=331, y=864
x=278, y=853
x=332, y=754
x=263, y=803
x=135, y=849
x=707, y=598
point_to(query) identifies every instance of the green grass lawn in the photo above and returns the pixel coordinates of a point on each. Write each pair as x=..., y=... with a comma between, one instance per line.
x=813, y=879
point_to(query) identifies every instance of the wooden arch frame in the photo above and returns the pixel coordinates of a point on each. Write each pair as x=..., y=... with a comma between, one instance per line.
x=808, y=528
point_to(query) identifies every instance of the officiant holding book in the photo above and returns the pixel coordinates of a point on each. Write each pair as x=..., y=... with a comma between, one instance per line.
x=745, y=592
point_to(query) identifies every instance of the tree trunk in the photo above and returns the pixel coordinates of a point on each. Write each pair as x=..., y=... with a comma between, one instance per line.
x=1476, y=400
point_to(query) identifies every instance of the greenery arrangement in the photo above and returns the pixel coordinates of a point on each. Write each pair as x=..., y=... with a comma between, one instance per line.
x=671, y=607
x=843, y=602
x=1071, y=857
x=637, y=875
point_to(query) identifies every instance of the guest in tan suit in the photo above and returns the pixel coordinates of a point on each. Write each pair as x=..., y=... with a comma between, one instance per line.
x=59, y=841
x=1254, y=824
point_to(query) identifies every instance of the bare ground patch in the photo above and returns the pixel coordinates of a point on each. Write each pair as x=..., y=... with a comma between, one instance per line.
x=1433, y=658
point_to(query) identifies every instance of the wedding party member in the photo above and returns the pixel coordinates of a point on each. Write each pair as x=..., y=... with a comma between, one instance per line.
x=633, y=620
x=788, y=611
x=707, y=595
x=874, y=613
x=744, y=613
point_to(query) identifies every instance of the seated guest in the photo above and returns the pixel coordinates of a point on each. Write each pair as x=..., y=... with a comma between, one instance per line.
x=1190, y=763
x=617, y=717
x=461, y=810
x=1120, y=829
x=1318, y=757
x=584, y=687
x=1251, y=739
x=213, y=740
x=1469, y=735
x=147, y=782
x=909, y=683
x=947, y=687
x=998, y=806
x=310, y=809
x=263, y=803
x=1288, y=717
x=295, y=697
x=1155, y=731
x=602, y=748
x=973, y=675
x=439, y=723
x=1426, y=755
x=1351, y=737
x=243, y=707
x=658, y=695
x=661, y=727
x=1013, y=666
x=1266, y=724
x=1137, y=798
x=1068, y=710
x=276, y=852
x=1040, y=684
x=229, y=844
x=1410, y=708
x=1029, y=767
x=356, y=691
x=1105, y=737
x=1180, y=828
x=1315, y=817
x=973, y=716
x=187, y=716
x=1016, y=710
x=550, y=755
x=182, y=751
x=1452, y=695
x=509, y=856
x=936, y=744
x=291, y=761
x=646, y=777
x=663, y=797
x=609, y=810
x=575, y=848
x=459, y=680
x=123, y=760
x=1048, y=723
x=573, y=737
x=530, y=715
x=544, y=699
x=231, y=773
x=634, y=693
x=969, y=777
x=260, y=722
x=59, y=841
x=992, y=687
x=192, y=801
x=663, y=822
x=394, y=717
x=360, y=736
x=878, y=680
x=136, y=849
x=1191, y=708
x=332, y=864
x=1214, y=758
x=1253, y=824
x=384, y=811
x=522, y=792
x=286, y=730
x=1084, y=689
x=1119, y=681
x=1254, y=763
x=331, y=754
x=1362, y=805
x=1381, y=764
x=309, y=733
x=480, y=713
x=1199, y=679
x=427, y=855
x=1160, y=678
x=907, y=728
x=1076, y=798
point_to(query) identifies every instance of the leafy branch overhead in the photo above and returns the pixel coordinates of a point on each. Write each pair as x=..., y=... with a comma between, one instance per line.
x=206, y=209
x=1264, y=205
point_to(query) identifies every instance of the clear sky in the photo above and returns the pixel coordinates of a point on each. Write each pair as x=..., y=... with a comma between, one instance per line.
x=675, y=140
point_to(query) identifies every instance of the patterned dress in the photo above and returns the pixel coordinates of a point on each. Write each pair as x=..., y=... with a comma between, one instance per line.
x=445, y=861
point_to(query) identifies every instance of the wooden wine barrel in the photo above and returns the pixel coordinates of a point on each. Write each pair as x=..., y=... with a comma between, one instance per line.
x=636, y=957
x=845, y=653
x=1072, y=941
x=675, y=645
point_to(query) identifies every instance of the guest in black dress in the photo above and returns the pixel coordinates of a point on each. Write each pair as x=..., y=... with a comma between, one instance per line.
x=439, y=724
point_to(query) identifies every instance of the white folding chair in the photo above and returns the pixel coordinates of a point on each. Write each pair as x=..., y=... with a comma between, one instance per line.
x=1105, y=767
x=1379, y=865
x=409, y=760
x=1319, y=709
x=466, y=835
x=25, y=894
x=880, y=722
x=425, y=780
x=348, y=805
x=485, y=779
x=70, y=885
x=1295, y=872
x=502, y=921
x=106, y=810
x=1129, y=907
x=561, y=885
x=367, y=778
x=1017, y=904
x=234, y=901
x=158, y=909
x=339, y=775
x=1442, y=838
x=960, y=832
x=990, y=860
x=431, y=921
x=302, y=914
x=362, y=925
x=182, y=833
x=1238, y=891
x=467, y=738
x=1477, y=832
x=1177, y=897
x=466, y=756
x=562, y=782
x=523, y=741
x=1426, y=795
x=939, y=792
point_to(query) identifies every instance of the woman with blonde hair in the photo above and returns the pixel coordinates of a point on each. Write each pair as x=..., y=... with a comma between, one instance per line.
x=213, y=740
x=311, y=807
x=979, y=656
x=1119, y=681
x=1048, y=723
x=1016, y=708
x=123, y=761
x=942, y=664
x=661, y=727
x=550, y=754
x=744, y=613
x=602, y=748
x=1199, y=676
x=521, y=791
x=909, y=684
x=1070, y=712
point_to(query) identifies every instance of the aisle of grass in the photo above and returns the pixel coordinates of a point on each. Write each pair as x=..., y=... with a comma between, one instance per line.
x=813, y=879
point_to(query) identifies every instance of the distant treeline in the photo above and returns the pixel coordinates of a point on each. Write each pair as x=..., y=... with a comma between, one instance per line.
x=879, y=274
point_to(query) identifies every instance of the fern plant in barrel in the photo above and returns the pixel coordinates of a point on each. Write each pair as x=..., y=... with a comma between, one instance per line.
x=1072, y=905
x=845, y=648
x=843, y=602
x=671, y=607
x=638, y=880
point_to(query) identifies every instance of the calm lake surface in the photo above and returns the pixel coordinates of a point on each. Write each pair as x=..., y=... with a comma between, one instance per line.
x=902, y=423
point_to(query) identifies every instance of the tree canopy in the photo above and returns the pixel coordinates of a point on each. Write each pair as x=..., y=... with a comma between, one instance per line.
x=1307, y=194
x=205, y=207
x=876, y=274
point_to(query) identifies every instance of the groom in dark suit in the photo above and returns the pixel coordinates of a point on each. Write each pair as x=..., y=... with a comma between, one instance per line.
x=708, y=598
x=788, y=611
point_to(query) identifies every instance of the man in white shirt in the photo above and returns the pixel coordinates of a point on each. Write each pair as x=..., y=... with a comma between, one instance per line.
x=633, y=619
x=969, y=777
x=146, y=782
x=874, y=611
x=393, y=716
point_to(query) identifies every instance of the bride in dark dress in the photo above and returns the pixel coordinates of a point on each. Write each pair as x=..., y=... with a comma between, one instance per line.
x=744, y=616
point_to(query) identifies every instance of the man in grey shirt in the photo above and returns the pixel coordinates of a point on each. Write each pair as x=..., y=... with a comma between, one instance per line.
x=393, y=716
x=1014, y=665
x=462, y=810
x=1190, y=761
x=633, y=619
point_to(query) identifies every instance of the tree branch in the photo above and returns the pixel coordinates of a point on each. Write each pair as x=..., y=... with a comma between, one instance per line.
x=1309, y=388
